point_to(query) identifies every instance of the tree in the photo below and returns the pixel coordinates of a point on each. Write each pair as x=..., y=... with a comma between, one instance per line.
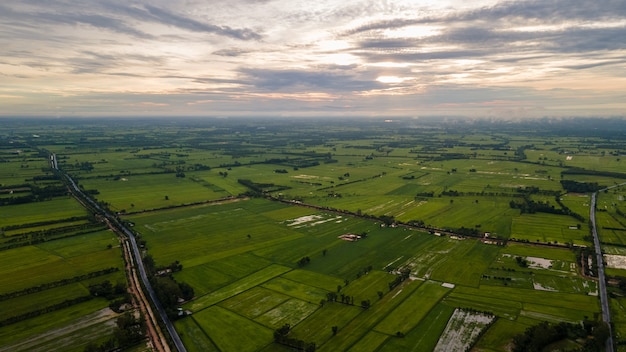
x=600, y=334
x=186, y=291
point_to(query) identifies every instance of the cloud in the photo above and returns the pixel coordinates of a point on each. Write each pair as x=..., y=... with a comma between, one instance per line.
x=230, y=52
x=357, y=57
x=169, y=18
x=279, y=80
x=509, y=12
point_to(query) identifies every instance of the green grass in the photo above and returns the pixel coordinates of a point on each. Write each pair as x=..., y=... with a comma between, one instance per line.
x=44, y=227
x=291, y=312
x=317, y=327
x=518, y=249
x=55, y=209
x=425, y=335
x=368, y=286
x=551, y=228
x=30, y=266
x=82, y=245
x=295, y=289
x=237, y=287
x=136, y=193
x=194, y=338
x=324, y=282
x=254, y=302
x=241, y=256
x=39, y=300
x=465, y=263
x=354, y=331
x=509, y=302
x=410, y=312
x=232, y=332
x=64, y=317
x=370, y=342
x=184, y=234
x=499, y=335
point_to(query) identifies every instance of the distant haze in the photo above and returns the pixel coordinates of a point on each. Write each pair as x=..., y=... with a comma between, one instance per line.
x=496, y=59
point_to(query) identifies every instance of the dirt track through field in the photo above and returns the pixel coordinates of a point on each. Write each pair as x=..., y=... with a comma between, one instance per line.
x=156, y=339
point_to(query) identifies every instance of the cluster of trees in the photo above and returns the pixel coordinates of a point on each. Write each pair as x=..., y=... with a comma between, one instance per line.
x=130, y=330
x=304, y=261
x=522, y=262
x=527, y=205
x=537, y=337
x=502, y=278
x=37, y=194
x=334, y=297
x=365, y=270
x=430, y=194
x=175, y=266
x=258, y=189
x=404, y=274
x=466, y=231
x=580, y=187
x=107, y=290
x=585, y=253
x=578, y=171
x=281, y=337
x=536, y=190
x=85, y=165
x=167, y=289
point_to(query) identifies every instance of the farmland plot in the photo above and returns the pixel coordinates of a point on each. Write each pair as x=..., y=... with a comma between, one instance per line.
x=462, y=330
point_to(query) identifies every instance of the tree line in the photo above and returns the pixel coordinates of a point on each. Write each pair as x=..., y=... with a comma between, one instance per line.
x=537, y=337
x=49, y=285
x=129, y=331
x=281, y=337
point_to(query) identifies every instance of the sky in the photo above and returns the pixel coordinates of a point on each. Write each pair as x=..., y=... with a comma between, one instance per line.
x=294, y=58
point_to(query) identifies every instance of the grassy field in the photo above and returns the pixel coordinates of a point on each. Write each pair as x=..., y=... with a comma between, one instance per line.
x=410, y=312
x=256, y=264
x=55, y=209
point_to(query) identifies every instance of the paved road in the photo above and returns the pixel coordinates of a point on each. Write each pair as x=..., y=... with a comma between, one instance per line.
x=137, y=258
x=604, y=301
